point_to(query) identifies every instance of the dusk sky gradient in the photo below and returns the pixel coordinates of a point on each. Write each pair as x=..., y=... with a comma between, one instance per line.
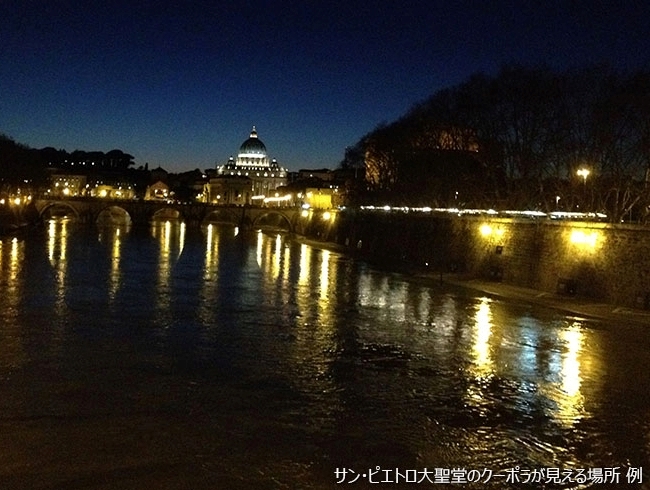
x=180, y=84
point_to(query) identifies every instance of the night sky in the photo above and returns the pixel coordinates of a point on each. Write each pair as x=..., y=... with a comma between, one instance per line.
x=181, y=84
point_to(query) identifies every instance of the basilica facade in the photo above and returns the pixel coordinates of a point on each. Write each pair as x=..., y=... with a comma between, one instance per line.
x=247, y=179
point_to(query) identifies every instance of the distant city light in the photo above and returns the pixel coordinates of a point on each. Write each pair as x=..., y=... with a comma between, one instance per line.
x=491, y=212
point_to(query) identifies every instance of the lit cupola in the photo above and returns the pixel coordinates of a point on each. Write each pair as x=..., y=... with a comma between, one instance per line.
x=253, y=149
x=253, y=163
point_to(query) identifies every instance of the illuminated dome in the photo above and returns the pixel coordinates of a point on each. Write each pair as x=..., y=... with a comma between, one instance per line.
x=253, y=146
x=264, y=175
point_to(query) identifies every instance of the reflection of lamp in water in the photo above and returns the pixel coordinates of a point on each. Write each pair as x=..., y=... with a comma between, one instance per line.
x=277, y=256
x=570, y=364
x=481, y=351
x=167, y=237
x=211, y=252
x=324, y=274
x=181, y=238
x=483, y=333
x=304, y=264
x=115, y=264
x=570, y=402
x=259, y=248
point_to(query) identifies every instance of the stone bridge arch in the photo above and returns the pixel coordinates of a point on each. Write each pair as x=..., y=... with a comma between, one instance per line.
x=112, y=214
x=88, y=210
x=224, y=215
x=273, y=219
x=49, y=208
x=166, y=213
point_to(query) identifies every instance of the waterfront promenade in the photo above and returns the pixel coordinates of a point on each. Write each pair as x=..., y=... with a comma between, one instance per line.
x=576, y=305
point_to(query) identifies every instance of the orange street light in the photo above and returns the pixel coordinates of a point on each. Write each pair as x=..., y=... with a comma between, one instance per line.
x=584, y=173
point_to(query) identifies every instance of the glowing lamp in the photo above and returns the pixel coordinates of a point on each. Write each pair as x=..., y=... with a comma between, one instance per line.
x=584, y=173
x=579, y=237
x=486, y=230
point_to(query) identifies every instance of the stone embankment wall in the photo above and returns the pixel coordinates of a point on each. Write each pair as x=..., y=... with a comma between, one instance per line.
x=604, y=262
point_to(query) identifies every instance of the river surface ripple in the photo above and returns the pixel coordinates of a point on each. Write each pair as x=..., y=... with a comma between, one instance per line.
x=183, y=358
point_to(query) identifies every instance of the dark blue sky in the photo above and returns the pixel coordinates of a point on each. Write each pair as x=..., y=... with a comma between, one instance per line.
x=181, y=84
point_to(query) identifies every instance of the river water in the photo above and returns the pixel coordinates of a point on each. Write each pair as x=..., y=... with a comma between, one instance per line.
x=181, y=358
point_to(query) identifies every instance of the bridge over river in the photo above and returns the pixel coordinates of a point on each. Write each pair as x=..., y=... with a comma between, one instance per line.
x=139, y=212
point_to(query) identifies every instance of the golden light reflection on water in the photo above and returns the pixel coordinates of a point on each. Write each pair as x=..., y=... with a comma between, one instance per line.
x=483, y=364
x=12, y=352
x=325, y=302
x=277, y=257
x=211, y=253
x=324, y=275
x=112, y=236
x=315, y=330
x=305, y=256
x=115, y=263
x=171, y=241
x=210, y=284
x=259, y=248
x=273, y=254
x=57, y=241
x=57, y=244
x=14, y=260
x=570, y=401
x=286, y=264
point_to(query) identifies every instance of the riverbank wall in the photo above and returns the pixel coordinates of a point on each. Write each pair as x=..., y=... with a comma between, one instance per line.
x=599, y=261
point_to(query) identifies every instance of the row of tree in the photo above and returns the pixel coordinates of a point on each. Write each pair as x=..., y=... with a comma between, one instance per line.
x=19, y=162
x=28, y=168
x=517, y=140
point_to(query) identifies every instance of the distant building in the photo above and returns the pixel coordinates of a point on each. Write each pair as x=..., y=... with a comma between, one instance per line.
x=318, y=188
x=112, y=190
x=228, y=189
x=67, y=185
x=158, y=191
x=321, y=197
x=250, y=177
